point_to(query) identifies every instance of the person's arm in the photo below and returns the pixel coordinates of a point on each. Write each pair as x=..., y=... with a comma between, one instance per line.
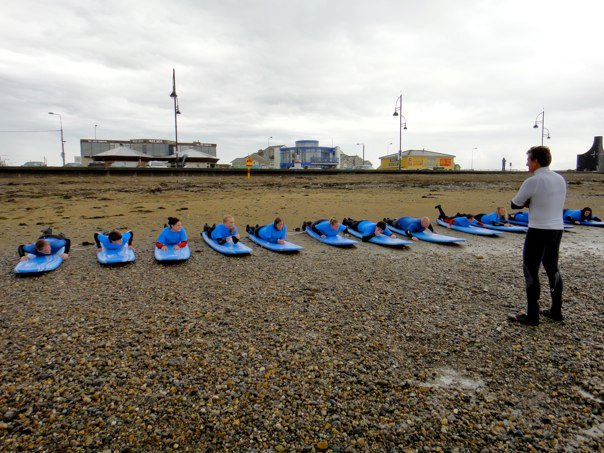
x=409, y=234
x=597, y=219
x=430, y=228
x=368, y=237
x=523, y=197
x=96, y=239
x=67, y=246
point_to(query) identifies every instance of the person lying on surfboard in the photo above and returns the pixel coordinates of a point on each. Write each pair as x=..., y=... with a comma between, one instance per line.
x=497, y=218
x=520, y=216
x=324, y=228
x=577, y=216
x=368, y=228
x=274, y=232
x=115, y=240
x=173, y=234
x=410, y=225
x=223, y=232
x=464, y=220
x=44, y=247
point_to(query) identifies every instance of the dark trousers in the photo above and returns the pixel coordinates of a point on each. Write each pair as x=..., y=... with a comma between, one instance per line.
x=542, y=246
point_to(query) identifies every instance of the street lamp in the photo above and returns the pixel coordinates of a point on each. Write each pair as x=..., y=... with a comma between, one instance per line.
x=268, y=142
x=472, y=166
x=62, y=141
x=398, y=111
x=95, y=126
x=542, y=122
x=363, y=163
x=176, y=113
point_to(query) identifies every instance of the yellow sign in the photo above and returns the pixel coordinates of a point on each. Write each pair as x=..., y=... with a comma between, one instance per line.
x=249, y=162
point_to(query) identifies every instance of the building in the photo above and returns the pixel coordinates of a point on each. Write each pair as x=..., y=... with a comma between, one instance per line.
x=258, y=160
x=418, y=160
x=152, y=147
x=592, y=160
x=354, y=162
x=309, y=154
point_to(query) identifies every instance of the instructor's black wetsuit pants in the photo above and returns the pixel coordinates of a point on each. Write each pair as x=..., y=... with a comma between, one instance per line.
x=542, y=246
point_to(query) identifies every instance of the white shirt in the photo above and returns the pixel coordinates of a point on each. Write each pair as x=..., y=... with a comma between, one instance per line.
x=546, y=192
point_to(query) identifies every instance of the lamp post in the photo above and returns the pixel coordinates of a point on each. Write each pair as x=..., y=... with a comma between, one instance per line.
x=95, y=126
x=268, y=142
x=542, y=122
x=174, y=96
x=62, y=141
x=472, y=165
x=363, y=163
x=398, y=111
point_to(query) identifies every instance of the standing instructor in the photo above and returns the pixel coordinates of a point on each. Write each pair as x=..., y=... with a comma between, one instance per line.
x=544, y=194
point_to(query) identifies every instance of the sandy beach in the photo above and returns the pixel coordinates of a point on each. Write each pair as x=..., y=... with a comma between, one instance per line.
x=345, y=350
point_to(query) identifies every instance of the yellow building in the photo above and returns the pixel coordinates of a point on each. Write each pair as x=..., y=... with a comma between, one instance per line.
x=418, y=160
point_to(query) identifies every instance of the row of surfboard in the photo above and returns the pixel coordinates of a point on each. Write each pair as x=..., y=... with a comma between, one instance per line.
x=125, y=254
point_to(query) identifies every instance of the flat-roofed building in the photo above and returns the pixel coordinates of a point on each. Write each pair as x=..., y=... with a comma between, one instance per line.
x=413, y=159
x=152, y=147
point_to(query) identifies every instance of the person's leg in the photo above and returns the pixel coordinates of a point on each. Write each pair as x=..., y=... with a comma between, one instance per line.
x=550, y=263
x=441, y=213
x=354, y=224
x=532, y=256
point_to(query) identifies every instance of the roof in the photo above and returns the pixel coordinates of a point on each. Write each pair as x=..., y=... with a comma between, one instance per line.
x=255, y=157
x=418, y=152
x=194, y=155
x=122, y=153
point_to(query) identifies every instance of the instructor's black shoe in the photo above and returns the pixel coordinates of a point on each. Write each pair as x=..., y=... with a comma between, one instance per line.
x=523, y=319
x=554, y=317
x=437, y=206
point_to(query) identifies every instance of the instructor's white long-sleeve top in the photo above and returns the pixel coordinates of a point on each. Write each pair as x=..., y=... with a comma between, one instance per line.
x=546, y=193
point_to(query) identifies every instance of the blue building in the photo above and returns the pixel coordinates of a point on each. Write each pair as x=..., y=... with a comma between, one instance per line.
x=308, y=154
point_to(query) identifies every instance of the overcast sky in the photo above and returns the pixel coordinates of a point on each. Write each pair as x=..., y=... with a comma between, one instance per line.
x=473, y=74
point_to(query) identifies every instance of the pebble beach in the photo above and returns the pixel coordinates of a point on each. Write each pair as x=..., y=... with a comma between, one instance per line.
x=361, y=349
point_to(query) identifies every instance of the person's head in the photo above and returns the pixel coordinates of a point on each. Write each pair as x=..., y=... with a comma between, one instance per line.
x=174, y=224
x=334, y=223
x=586, y=213
x=501, y=212
x=425, y=222
x=537, y=157
x=470, y=217
x=115, y=237
x=228, y=221
x=278, y=223
x=381, y=225
x=43, y=246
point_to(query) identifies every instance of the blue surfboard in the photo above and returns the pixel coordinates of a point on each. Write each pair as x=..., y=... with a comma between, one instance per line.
x=40, y=264
x=470, y=230
x=592, y=223
x=509, y=229
x=288, y=247
x=429, y=236
x=228, y=248
x=116, y=256
x=171, y=255
x=525, y=224
x=337, y=241
x=382, y=239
